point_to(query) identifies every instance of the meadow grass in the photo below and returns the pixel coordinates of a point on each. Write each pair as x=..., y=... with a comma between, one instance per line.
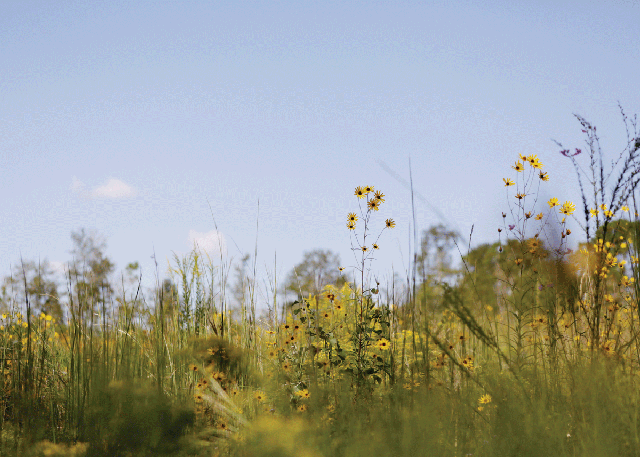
x=532, y=351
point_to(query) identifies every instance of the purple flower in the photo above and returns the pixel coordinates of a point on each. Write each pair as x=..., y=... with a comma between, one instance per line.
x=566, y=153
x=540, y=287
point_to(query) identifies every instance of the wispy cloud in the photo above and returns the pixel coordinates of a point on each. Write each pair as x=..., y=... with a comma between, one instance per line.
x=210, y=242
x=113, y=188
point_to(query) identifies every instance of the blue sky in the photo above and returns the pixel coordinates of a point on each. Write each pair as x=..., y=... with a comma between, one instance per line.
x=130, y=118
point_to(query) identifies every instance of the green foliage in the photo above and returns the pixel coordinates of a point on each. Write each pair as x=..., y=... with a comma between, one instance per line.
x=317, y=269
x=131, y=418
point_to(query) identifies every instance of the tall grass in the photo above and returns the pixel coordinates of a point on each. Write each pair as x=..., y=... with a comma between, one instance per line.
x=532, y=351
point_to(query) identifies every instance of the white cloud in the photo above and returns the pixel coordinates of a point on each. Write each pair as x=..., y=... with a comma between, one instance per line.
x=113, y=188
x=210, y=242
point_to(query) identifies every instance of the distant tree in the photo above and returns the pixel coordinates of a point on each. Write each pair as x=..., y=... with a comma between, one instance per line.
x=41, y=288
x=494, y=277
x=434, y=264
x=242, y=280
x=628, y=230
x=169, y=296
x=434, y=260
x=480, y=281
x=317, y=269
x=90, y=269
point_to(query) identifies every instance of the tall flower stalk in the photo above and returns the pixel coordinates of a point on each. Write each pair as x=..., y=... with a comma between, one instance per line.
x=366, y=318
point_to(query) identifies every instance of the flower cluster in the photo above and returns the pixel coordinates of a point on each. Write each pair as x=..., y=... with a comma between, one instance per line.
x=567, y=207
x=373, y=204
x=532, y=160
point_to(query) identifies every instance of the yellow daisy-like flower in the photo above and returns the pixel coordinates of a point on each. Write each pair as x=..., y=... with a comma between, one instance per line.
x=375, y=246
x=374, y=204
x=260, y=396
x=539, y=216
x=520, y=196
x=553, y=202
x=534, y=244
x=532, y=159
x=341, y=269
x=368, y=189
x=593, y=211
x=518, y=261
x=351, y=225
x=625, y=209
x=383, y=344
x=379, y=196
x=304, y=393
x=193, y=367
x=567, y=208
x=364, y=249
x=508, y=182
x=485, y=399
x=389, y=223
x=544, y=176
x=302, y=408
x=537, y=164
x=360, y=193
x=352, y=217
x=603, y=207
x=626, y=281
x=218, y=376
x=523, y=157
x=518, y=166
